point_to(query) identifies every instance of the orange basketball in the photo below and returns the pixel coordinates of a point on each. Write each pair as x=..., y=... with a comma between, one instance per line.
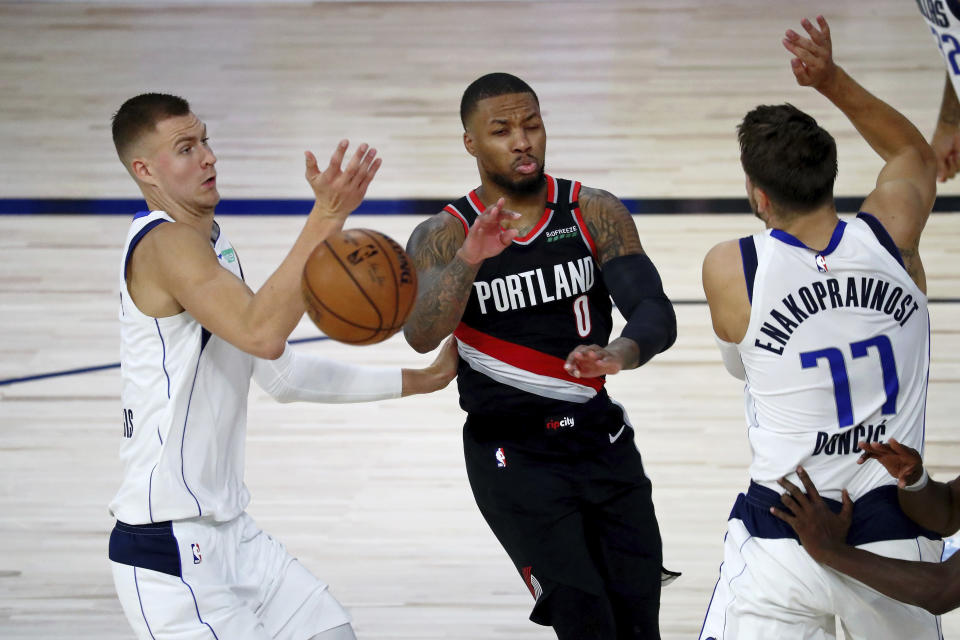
x=359, y=286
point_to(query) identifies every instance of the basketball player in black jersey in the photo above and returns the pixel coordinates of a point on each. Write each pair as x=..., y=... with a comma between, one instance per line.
x=522, y=271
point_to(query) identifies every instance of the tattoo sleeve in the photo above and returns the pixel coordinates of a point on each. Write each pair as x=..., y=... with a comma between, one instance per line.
x=444, y=282
x=610, y=224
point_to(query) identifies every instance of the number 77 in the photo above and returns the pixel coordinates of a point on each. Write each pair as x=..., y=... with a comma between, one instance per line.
x=841, y=383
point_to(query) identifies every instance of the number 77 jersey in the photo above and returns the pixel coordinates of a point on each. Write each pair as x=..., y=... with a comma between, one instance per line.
x=837, y=352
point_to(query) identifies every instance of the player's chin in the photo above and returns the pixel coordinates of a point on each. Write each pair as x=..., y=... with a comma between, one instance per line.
x=529, y=183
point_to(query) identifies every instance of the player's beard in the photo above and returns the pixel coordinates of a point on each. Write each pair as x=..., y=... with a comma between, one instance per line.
x=522, y=187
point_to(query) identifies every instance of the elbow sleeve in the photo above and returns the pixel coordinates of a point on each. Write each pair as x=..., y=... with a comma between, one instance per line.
x=305, y=377
x=636, y=288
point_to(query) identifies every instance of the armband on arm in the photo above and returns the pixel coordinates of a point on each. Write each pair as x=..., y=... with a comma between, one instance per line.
x=306, y=377
x=635, y=286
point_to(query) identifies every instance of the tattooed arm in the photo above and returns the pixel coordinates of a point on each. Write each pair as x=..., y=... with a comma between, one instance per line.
x=446, y=265
x=444, y=281
x=633, y=283
x=610, y=224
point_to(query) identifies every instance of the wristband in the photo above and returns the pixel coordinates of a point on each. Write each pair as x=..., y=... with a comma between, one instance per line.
x=919, y=484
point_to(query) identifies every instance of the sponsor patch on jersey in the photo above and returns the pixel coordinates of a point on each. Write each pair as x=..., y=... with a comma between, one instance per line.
x=559, y=423
x=562, y=234
x=196, y=553
x=228, y=254
x=501, y=458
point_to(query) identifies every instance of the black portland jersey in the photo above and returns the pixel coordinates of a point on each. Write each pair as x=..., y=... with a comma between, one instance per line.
x=529, y=308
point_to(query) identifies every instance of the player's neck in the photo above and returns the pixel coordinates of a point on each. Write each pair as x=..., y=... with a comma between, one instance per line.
x=200, y=219
x=813, y=229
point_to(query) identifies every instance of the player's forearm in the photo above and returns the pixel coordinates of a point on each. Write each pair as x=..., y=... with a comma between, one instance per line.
x=932, y=507
x=924, y=584
x=278, y=305
x=625, y=350
x=884, y=128
x=440, y=305
x=425, y=380
x=949, y=106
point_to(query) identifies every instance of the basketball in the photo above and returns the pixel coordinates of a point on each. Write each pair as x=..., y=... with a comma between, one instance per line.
x=359, y=286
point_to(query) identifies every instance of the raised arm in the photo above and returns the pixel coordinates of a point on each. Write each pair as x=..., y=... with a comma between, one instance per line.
x=946, y=136
x=906, y=186
x=633, y=283
x=176, y=267
x=447, y=262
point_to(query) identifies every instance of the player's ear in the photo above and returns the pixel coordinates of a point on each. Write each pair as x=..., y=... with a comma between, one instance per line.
x=140, y=169
x=468, y=144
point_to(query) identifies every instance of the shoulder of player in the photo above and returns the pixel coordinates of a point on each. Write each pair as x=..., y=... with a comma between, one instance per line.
x=172, y=247
x=599, y=202
x=610, y=223
x=722, y=267
x=901, y=210
x=435, y=240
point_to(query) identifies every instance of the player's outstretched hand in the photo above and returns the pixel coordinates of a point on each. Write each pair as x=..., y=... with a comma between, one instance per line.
x=820, y=529
x=591, y=361
x=902, y=462
x=946, y=146
x=437, y=375
x=813, y=62
x=487, y=237
x=339, y=190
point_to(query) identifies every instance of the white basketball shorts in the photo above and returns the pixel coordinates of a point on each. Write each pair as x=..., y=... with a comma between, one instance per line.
x=198, y=579
x=770, y=588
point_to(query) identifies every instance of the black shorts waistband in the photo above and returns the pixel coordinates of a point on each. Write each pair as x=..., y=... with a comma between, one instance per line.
x=877, y=516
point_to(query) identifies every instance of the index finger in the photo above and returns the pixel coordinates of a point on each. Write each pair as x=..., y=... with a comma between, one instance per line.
x=808, y=484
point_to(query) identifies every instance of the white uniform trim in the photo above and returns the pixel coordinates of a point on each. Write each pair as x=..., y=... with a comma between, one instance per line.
x=522, y=379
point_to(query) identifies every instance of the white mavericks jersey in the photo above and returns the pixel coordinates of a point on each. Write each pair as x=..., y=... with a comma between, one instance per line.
x=184, y=398
x=836, y=353
x=943, y=18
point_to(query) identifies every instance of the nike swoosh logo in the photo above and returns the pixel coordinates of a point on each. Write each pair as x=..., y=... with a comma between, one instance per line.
x=613, y=437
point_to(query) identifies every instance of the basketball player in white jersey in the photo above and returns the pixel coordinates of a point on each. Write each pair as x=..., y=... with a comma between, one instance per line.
x=188, y=562
x=943, y=18
x=826, y=321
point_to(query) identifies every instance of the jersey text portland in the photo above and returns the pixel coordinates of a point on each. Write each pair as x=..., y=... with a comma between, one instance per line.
x=529, y=307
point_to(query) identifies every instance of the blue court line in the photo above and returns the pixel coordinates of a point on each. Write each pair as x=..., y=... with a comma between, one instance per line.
x=409, y=206
x=116, y=365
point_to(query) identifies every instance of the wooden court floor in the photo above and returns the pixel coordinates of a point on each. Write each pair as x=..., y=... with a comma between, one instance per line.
x=640, y=98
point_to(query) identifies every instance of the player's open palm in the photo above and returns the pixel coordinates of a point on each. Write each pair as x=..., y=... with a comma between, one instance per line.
x=339, y=190
x=487, y=236
x=902, y=462
x=813, y=63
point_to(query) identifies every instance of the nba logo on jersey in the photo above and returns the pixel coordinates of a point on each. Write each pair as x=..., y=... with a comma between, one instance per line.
x=821, y=263
x=196, y=552
x=501, y=458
